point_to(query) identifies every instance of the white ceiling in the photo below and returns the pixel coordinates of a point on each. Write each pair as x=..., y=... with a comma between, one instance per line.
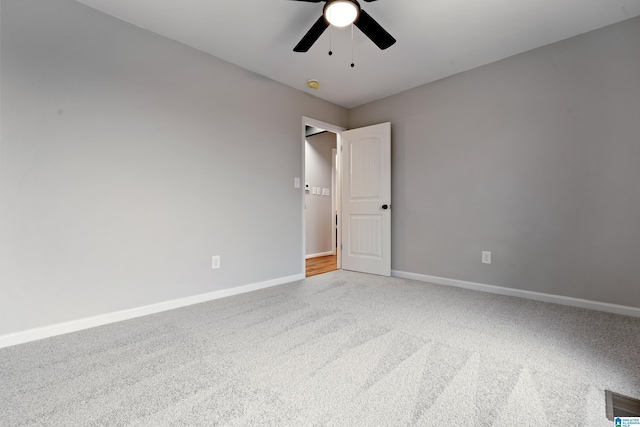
x=435, y=38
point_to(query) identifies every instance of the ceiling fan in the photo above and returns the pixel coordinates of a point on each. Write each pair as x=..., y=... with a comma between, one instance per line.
x=342, y=13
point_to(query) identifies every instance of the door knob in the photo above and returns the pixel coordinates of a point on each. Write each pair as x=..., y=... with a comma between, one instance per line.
x=385, y=206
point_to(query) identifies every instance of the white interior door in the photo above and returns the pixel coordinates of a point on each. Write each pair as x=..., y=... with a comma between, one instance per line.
x=366, y=199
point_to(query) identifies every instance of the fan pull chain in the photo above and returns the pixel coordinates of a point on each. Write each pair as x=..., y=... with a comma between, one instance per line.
x=330, y=34
x=352, y=64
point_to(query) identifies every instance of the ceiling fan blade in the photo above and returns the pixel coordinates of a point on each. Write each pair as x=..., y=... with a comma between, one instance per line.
x=312, y=35
x=374, y=31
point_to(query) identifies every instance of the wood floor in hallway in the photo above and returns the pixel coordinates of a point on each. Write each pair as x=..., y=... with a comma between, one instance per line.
x=323, y=264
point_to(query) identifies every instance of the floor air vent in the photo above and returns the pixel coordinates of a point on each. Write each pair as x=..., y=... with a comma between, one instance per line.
x=621, y=406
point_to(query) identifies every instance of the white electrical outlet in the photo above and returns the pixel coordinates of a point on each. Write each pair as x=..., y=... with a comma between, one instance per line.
x=486, y=257
x=215, y=261
x=296, y=182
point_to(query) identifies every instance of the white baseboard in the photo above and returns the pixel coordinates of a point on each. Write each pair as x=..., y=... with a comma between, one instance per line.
x=319, y=255
x=103, y=319
x=537, y=296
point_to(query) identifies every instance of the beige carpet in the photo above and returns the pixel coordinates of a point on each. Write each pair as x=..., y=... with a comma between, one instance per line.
x=341, y=349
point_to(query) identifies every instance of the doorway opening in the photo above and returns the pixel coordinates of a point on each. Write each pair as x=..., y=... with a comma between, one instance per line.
x=321, y=197
x=361, y=198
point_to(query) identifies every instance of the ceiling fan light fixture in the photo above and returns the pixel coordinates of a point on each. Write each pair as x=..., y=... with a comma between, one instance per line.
x=341, y=13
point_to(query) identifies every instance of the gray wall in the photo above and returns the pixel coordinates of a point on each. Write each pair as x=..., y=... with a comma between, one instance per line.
x=127, y=160
x=535, y=158
x=318, y=172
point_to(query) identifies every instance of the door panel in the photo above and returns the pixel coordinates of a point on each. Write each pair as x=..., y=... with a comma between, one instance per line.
x=366, y=162
x=366, y=189
x=365, y=232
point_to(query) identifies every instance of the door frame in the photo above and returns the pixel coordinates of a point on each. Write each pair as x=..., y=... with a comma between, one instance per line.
x=308, y=121
x=335, y=194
